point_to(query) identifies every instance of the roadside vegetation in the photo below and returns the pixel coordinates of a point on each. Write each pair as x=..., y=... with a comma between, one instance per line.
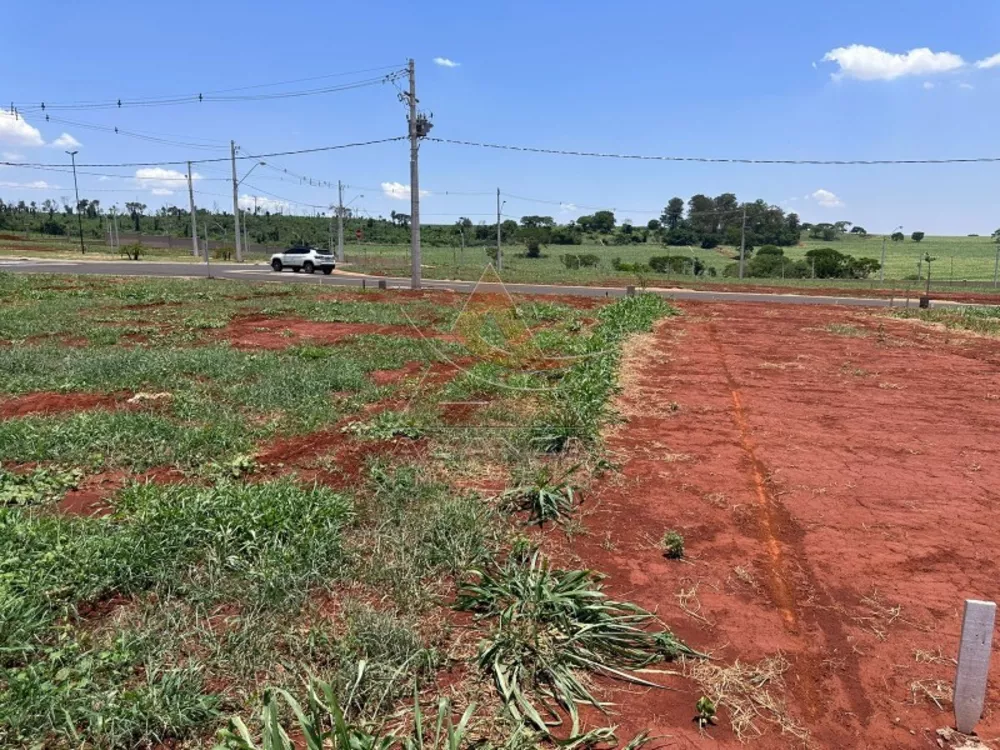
x=696, y=240
x=221, y=527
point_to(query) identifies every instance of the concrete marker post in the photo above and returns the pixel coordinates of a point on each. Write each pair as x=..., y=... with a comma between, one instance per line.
x=973, y=663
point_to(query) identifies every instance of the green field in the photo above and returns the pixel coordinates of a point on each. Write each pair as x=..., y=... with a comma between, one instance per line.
x=958, y=259
x=212, y=490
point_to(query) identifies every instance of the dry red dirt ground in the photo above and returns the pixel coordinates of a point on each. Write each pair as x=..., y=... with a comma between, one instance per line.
x=837, y=495
x=262, y=332
x=49, y=402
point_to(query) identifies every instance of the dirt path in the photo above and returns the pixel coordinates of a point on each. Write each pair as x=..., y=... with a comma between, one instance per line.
x=834, y=476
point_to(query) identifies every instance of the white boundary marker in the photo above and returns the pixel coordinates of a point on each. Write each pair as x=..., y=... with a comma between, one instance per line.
x=973, y=663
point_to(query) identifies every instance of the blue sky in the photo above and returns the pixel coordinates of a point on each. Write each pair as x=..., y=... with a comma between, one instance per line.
x=731, y=80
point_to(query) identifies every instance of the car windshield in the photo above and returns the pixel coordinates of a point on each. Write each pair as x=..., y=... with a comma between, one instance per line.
x=322, y=252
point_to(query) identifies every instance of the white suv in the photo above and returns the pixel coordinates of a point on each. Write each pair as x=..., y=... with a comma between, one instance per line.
x=303, y=259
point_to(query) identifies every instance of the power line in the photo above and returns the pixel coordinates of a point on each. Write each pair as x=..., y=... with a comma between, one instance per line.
x=715, y=160
x=220, y=95
x=154, y=138
x=296, y=152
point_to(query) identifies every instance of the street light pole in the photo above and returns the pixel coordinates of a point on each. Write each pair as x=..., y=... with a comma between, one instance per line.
x=76, y=189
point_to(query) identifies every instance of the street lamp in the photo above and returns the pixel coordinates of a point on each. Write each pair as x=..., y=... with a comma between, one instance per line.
x=76, y=189
x=881, y=270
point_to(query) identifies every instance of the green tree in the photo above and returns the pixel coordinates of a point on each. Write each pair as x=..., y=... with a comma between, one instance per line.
x=532, y=222
x=673, y=214
x=604, y=221
x=897, y=237
x=135, y=210
x=917, y=236
x=653, y=225
x=827, y=262
x=859, y=230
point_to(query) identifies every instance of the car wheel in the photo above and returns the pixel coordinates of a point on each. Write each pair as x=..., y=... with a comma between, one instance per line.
x=296, y=269
x=308, y=267
x=276, y=265
x=327, y=271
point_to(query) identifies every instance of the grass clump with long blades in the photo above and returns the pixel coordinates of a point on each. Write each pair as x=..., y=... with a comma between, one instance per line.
x=324, y=724
x=552, y=627
x=546, y=496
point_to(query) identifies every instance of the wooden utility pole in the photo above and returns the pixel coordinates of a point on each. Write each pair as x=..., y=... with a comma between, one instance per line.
x=194, y=215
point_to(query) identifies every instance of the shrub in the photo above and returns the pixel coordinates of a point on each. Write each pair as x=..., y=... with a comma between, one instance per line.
x=618, y=265
x=50, y=226
x=133, y=251
x=673, y=545
x=770, y=250
x=669, y=263
x=586, y=260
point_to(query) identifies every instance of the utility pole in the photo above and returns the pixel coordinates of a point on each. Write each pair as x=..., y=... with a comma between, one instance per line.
x=499, y=247
x=743, y=240
x=236, y=202
x=414, y=184
x=340, y=221
x=246, y=234
x=996, y=264
x=194, y=215
x=76, y=189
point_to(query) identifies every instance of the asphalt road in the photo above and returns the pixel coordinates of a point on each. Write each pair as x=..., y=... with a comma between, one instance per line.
x=262, y=273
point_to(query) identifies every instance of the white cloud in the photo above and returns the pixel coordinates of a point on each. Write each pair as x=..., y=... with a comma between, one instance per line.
x=398, y=191
x=16, y=132
x=873, y=64
x=989, y=62
x=567, y=207
x=103, y=178
x=967, y=86
x=263, y=203
x=160, y=181
x=444, y=62
x=12, y=156
x=826, y=199
x=65, y=141
x=35, y=185
x=928, y=85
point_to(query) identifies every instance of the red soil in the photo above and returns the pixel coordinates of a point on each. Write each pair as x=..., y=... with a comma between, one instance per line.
x=48, y=402
x=91, y=497
x=262, y=332
x=438, y=372
x=844, y=477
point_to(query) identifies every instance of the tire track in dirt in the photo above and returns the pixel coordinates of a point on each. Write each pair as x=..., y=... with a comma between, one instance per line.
x=781, y=592
x=814, y=605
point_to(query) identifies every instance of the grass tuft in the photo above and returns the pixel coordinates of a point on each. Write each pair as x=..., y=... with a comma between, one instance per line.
x=551, y=627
